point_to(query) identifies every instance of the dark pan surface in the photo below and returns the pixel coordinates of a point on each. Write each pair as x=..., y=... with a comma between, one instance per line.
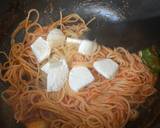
x=133, y=24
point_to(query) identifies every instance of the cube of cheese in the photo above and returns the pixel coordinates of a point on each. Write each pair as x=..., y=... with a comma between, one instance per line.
x=57, y=75
x=80, y=77
x=41, y=49
x=73, y=40
x=55, y=38
x=45, y=68
x=106, y=67
x=87, y=47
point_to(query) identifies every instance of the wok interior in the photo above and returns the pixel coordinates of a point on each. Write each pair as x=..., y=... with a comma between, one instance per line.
x=115, y=25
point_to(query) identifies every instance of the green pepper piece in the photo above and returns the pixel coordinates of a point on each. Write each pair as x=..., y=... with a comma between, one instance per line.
x=151, y=60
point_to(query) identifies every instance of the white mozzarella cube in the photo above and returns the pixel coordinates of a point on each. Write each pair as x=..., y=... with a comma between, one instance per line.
x=80, y=77
x=57, y=75
x=41, y=49
x=87, y=47
x=106, y=67
x=73, y=40
x=55, y=38
x=45, y=68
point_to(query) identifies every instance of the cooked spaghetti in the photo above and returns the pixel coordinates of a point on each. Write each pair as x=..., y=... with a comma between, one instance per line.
x=105, y=103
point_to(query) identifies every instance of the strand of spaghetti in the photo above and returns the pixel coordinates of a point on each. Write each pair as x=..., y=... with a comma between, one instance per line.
x=32, y=26
x=28, y=17
x=58, y=111
x=61, y=21
x=5, y=54
x=90, y=21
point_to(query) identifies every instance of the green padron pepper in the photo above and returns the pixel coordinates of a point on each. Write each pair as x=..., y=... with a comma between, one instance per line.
x=151, y=58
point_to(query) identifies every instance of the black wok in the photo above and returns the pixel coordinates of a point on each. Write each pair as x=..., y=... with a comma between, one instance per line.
x=133, y=24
